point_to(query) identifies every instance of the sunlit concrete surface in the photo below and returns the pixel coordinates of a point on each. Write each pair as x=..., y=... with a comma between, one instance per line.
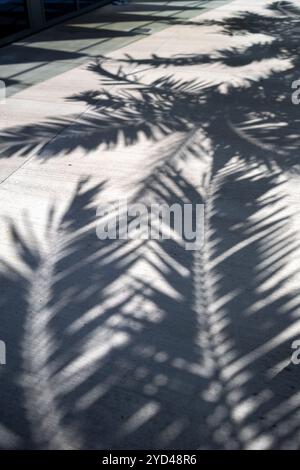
x=142, y=344
x=65, y=46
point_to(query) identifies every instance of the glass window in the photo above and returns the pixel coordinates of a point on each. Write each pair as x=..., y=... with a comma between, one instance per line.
x=87, y=3
x=13, y=17
x=55, y=8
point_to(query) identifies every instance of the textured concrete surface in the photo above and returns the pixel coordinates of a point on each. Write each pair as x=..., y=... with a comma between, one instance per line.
x=143, y=344
x=67, y=45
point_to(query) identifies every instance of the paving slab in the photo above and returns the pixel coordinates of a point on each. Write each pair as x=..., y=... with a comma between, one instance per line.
x=142, y=343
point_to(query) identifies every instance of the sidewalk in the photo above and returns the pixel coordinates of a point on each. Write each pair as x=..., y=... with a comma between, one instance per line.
x=63, y=47
x=143, y=344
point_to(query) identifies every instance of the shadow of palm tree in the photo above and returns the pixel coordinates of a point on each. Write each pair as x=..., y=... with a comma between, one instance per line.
x=141, y=343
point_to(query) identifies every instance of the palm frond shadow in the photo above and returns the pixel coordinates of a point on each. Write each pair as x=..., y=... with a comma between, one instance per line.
x=141, y=343
x=112, y=349
x=252, y=113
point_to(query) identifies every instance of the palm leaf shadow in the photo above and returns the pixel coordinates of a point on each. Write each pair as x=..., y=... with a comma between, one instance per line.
x=114, y=364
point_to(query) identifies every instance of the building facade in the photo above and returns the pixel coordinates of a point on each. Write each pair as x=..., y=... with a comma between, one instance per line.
x=21, y=17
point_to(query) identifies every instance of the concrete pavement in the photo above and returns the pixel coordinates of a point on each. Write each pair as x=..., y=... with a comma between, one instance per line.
x=143, y=344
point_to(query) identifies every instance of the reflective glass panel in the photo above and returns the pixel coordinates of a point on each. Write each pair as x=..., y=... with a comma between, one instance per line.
x=56, y=8
x=87, y=3
x=13, y=17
